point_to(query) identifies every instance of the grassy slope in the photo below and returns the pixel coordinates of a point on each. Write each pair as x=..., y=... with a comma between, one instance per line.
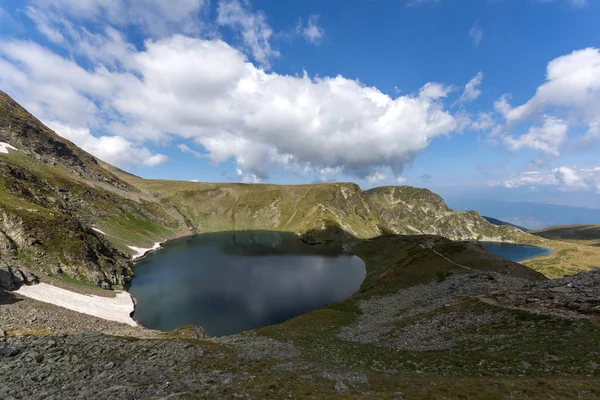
x=576, y=249
x=52, y=211
x=589, y=234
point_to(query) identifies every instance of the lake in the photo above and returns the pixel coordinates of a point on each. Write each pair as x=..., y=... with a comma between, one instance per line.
x=230, y=282
x=515, y=252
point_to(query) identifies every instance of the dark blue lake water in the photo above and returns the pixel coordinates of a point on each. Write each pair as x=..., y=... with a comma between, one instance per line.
x=515, y=252
x=231, y=282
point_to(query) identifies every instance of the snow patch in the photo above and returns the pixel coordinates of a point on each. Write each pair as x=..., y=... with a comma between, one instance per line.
x=5, y=146
x=116, y=308
x=141, y=252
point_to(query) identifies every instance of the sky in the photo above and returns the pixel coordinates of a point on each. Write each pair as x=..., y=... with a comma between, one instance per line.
x=487, y=99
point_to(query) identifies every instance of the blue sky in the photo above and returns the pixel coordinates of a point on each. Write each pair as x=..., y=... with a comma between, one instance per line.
x=481, y=99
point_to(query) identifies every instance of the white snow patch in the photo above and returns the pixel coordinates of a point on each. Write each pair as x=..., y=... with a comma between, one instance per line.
x=141, y=252
x=116, y=308
x=5, y=146
x=98, y=230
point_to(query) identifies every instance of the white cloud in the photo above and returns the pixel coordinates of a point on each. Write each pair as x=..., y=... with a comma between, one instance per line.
x=376, y=177
x=112, y=149
x=563, y=178
x=573, y=83
x=433, y=90
x=155, y=17
x=312, y=32
x=476, y=33
x=253, y=27
x=547, y=138
x=400, y=180
x=207, y=91
x=247, y=178
x=472, y=90
x=484, y=122
x=186, y=149
x=571, y=95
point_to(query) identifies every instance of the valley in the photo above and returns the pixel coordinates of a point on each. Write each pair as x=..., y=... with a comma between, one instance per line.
x=436, y=315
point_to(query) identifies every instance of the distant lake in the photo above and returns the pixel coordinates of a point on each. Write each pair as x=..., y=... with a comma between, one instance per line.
x=515, y=252
x=231, y=282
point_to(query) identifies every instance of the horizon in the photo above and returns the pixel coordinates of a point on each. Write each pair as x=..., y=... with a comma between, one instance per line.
x=467, y=103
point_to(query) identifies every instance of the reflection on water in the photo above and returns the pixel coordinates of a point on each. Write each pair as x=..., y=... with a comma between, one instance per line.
x=515, y=252
x=230, y=282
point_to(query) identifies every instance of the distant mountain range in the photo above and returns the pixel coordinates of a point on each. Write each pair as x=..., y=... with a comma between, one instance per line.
x=501, y=223
x=529, y=215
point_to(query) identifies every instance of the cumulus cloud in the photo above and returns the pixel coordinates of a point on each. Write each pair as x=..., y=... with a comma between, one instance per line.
x=113, y=149
x=245, y=177
x=563, y=178
x=572, y=84
x=207, y=91
x=547, y=138
x=376, y=177
x=570, y=97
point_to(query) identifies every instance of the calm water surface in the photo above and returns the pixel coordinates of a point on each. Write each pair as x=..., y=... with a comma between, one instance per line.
x=515, y=252
x=230, y=282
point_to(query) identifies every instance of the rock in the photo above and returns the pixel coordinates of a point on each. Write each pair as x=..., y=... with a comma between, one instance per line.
x=340, y=387
x=191, y=332
x=9, y=351
x=2, y=333
x=561, y=289
x=109, y=365
x=38, y=358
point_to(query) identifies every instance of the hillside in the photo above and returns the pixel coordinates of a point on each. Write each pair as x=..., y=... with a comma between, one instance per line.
x=66, y=214
x=582, y=233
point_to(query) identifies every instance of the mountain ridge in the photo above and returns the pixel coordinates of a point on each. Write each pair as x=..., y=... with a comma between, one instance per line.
x=57, y=199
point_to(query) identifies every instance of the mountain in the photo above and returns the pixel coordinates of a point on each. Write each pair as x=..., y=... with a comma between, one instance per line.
x=570, y=232
x=495, y=221
x=530, y=215
x=65, y=213
x=433, y=318
x=53, y=194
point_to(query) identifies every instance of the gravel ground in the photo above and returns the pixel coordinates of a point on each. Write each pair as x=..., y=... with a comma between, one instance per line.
x=140, y=363
x=383, y=317
x=254, y=347
x=92, y=365
x=575, y=296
